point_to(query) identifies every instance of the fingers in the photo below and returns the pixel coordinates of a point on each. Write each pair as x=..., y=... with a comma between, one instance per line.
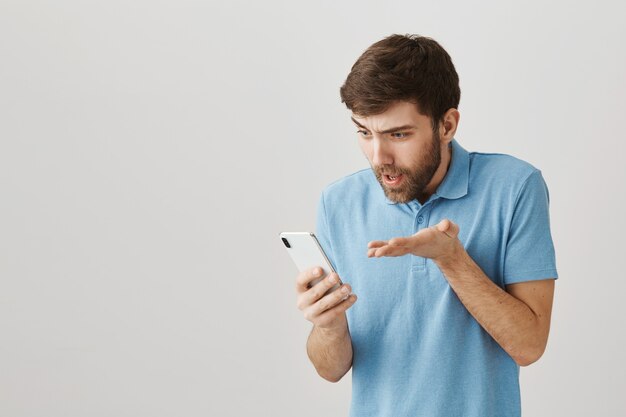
x=315, y=302
x=317, y=291
x=331, y=315
x=399, y=241
x=378, y=247
x=388, y=250
x=373, y=245
x=396, y=241
x=376, y=243
x=330, y=300
x=305, y=277
x=395, y=247
x=377, y=252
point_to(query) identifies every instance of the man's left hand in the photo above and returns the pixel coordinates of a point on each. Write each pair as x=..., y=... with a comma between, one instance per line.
x=439, y=242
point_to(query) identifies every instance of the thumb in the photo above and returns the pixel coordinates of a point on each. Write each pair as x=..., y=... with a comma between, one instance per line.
x=448, y=227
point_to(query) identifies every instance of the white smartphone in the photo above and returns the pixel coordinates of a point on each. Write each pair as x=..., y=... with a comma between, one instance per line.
x=306, y=251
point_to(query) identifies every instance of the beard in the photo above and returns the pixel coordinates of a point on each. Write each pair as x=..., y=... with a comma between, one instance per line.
x=415, y=178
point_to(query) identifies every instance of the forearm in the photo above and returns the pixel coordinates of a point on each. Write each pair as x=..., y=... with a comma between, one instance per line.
x=330, y=351
x=512, y=323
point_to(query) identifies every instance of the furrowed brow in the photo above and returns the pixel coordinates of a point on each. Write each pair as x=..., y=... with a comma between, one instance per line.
x=391, y=130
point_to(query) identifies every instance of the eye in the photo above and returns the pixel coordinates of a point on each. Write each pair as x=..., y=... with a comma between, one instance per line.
x=363, y=133
x=399, y=135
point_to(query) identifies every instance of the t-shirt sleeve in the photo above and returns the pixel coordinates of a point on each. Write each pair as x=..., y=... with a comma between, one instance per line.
x=529, y=252
x=322, y=231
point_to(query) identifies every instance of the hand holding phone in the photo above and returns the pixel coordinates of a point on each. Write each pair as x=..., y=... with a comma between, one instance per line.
x=306, y=252
x=322, y=297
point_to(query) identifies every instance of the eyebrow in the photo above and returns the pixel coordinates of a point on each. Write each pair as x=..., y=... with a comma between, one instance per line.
x=391, y=130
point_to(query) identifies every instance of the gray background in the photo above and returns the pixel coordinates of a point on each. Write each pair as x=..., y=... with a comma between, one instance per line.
x=150, y=152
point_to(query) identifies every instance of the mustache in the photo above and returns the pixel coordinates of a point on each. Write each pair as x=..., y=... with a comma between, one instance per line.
x=394, y=172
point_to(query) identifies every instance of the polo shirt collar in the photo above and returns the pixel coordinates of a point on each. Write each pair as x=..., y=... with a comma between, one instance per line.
x=455, y=183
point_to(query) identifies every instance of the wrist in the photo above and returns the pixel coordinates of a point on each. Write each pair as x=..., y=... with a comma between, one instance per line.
x=337, y=330
x=451, y=260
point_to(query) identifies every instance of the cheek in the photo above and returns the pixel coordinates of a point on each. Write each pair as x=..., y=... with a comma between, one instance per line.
x=406, y=151
x=409, y=156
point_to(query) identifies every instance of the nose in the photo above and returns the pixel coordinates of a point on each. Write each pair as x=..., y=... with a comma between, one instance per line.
x=380, y=153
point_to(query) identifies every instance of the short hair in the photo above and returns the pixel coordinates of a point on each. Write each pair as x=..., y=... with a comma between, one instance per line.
x=410, y=68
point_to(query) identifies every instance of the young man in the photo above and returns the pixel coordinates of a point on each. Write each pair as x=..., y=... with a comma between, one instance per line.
x=449, y=251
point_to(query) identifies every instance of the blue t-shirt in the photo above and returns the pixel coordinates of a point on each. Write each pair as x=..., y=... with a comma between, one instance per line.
x=417, y=351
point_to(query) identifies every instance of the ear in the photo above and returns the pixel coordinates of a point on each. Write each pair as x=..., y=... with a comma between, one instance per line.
x=448, y=126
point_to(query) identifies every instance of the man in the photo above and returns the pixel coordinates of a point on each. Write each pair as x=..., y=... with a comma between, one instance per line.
x=449, y=252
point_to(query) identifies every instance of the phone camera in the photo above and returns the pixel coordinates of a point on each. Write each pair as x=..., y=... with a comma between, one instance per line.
x=286, y=242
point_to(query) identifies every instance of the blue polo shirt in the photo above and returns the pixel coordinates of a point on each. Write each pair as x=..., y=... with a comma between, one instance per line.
x=416, y=349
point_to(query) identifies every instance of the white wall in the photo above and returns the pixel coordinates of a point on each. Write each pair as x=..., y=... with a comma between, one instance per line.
x=150, y=152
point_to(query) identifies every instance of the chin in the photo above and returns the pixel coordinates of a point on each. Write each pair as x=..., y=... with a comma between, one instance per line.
x=398, y=198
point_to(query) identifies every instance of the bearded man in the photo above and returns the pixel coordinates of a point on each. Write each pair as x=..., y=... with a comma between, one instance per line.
x=449, y=252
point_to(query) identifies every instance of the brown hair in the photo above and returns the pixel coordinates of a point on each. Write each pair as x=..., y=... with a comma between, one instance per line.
x=402, y=68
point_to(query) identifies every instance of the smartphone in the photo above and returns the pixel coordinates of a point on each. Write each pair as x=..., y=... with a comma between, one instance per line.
x=305, y=251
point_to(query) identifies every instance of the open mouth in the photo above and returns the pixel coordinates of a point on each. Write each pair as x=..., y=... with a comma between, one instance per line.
x=392, y=180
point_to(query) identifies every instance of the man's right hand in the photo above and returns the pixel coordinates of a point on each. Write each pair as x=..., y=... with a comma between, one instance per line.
x=324, y=311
